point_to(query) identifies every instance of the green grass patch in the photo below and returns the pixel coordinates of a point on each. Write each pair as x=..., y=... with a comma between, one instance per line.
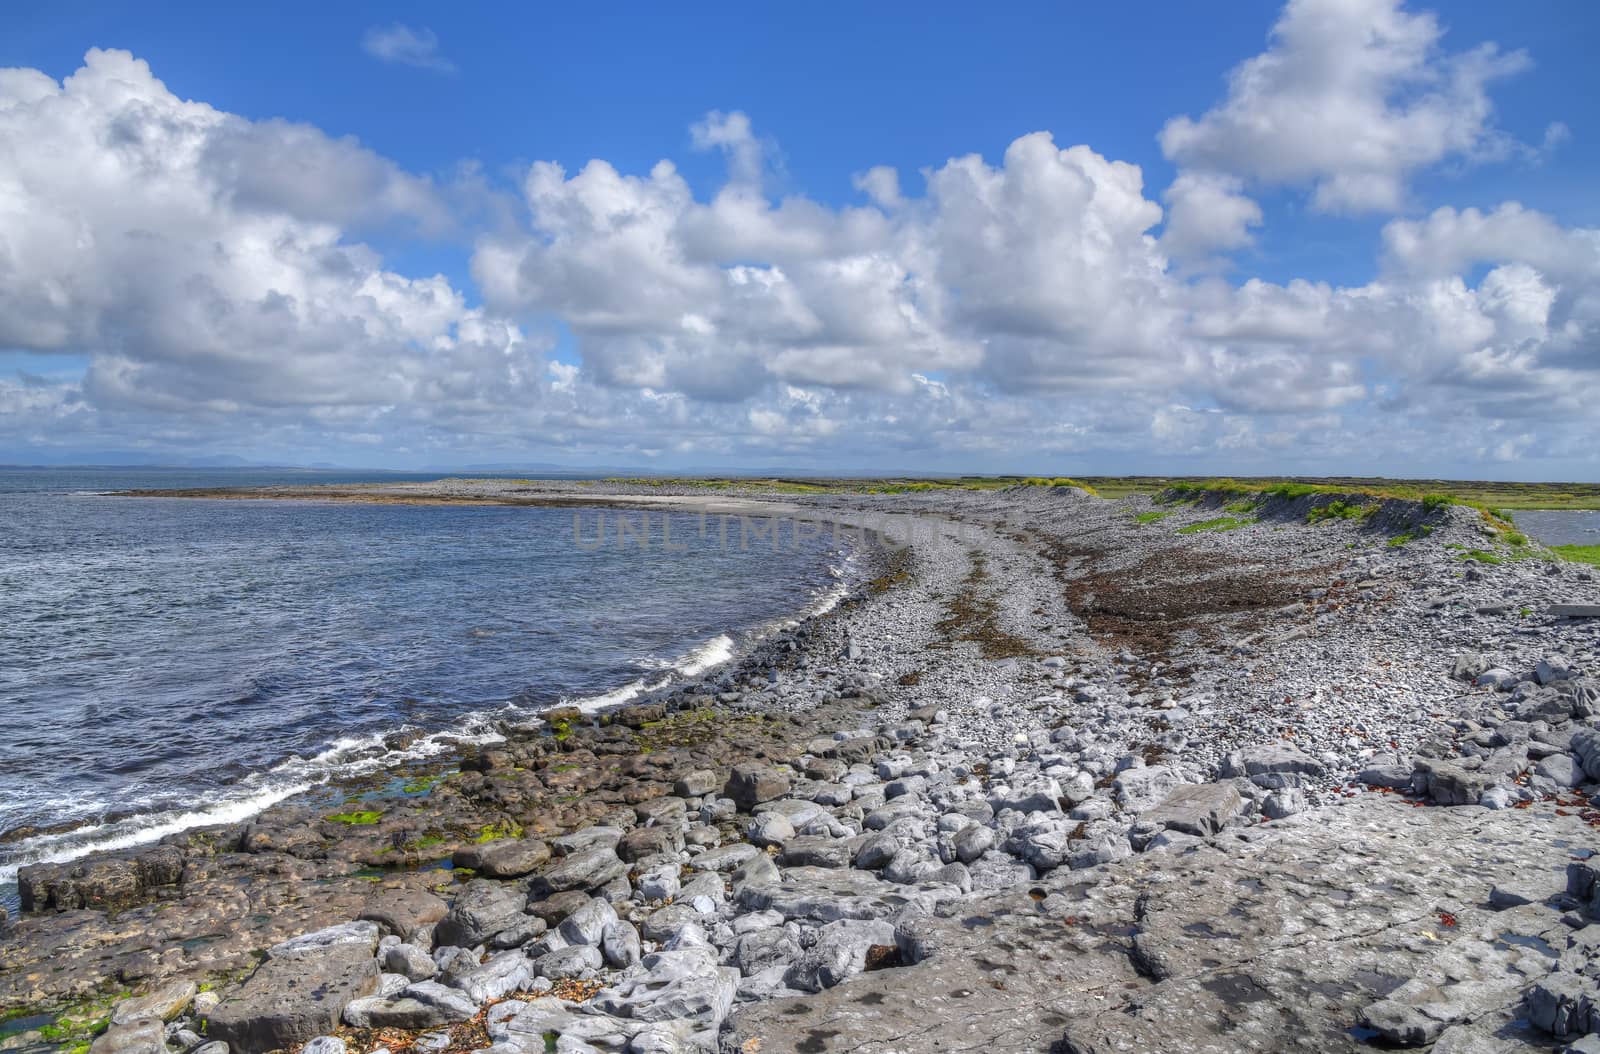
x=918, y=487
x=1221, y=523
x=1341, y=510
x=1152, y=517
x=1288, y=490
x=1058, y=481
x=1482, y=556
x=359, y=818
x=1578, y=554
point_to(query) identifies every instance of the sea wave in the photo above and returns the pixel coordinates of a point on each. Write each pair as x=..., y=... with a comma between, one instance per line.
x=343, y=758
x=355, y=756
x=722, y=648
x=706, y=656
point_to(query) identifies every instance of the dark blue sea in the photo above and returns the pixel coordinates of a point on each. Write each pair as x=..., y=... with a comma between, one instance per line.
x=168, y=662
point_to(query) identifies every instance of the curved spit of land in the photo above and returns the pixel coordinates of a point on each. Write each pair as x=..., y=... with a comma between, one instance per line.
x=1227, y=770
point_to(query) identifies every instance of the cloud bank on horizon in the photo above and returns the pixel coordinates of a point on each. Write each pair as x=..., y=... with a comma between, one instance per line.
x=1045, y=308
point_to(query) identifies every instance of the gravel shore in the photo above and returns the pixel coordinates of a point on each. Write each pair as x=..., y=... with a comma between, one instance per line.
x=1202, y=774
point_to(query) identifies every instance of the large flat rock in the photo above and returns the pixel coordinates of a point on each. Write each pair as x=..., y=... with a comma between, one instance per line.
x=1277, y=938
x=222, y=921
x=292, y=999
x=1197, y=808
x=821, y=894
x=110, y=882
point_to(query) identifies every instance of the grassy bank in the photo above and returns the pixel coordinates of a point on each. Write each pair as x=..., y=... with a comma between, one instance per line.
x=1341, y=509
x=1578, y=554
x=1477, y=493
x=1510, y=496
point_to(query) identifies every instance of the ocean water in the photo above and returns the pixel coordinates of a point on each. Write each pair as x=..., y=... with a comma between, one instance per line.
x=1560, y=527
x=171, y=662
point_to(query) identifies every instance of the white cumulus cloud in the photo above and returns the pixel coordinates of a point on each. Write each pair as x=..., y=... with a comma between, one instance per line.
x=216, y=275
x=1349, y=99
x=155, y=236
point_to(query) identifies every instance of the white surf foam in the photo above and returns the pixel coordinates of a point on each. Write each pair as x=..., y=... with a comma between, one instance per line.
x=359, y=755
x=705, y=656
x=711, y=654
x=722, y=648
x=343, y=758
x=134, y=831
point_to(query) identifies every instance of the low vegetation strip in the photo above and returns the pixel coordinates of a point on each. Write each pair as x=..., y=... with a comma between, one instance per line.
x=1580, y=554
x=1221, y=523
x=850, y=486
x=1342, y=507
x=1343, y=510
x=1494, y=496
x=1477, y=493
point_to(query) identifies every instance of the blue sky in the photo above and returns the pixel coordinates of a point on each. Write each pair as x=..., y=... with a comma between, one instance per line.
x=828, y=94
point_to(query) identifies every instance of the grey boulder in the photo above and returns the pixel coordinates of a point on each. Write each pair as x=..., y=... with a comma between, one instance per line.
x=751, y=783
x=587, y=925
x=972, y=841
x=408, y=960
x=143, y=1035
x=290, y=1000
x=480, y=911
x=504, y=858
x=586, y=870
x=1198, y=809
x=165, y=1003
x=562, y=963
x=620, y=945
x=427, y=1004
x=683, y=985
x=1271, y=759
x=842, y=951
x=1140, y=789
x=500, y=975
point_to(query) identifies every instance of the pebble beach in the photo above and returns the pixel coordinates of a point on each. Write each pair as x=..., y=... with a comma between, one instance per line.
x=1201, y=772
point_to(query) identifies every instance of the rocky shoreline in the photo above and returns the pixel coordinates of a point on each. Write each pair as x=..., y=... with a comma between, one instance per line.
x=1210, y=774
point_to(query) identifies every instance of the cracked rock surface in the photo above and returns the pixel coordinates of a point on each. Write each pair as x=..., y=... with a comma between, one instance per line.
x=1315, y=934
